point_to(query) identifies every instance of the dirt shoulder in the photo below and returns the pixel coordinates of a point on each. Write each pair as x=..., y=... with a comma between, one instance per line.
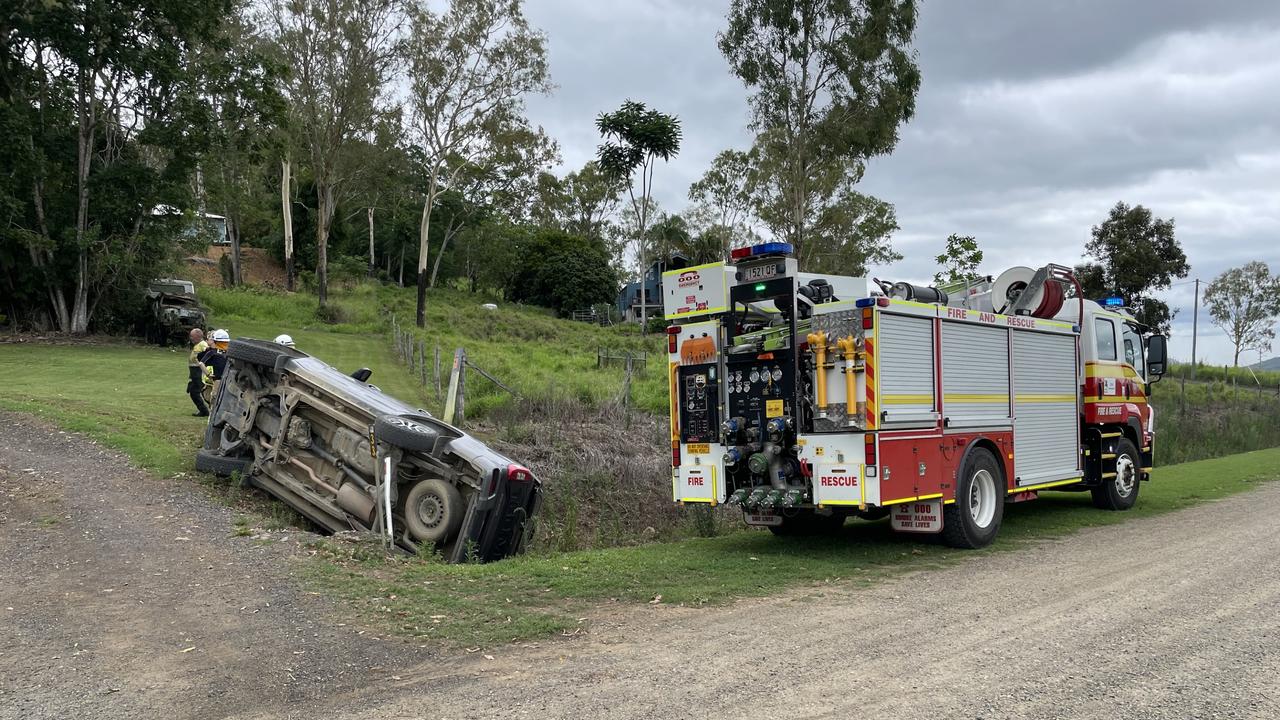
x=127, y=596
x=122, y=595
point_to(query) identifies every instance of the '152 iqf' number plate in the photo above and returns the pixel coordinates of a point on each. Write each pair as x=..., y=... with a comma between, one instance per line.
x=762, y=272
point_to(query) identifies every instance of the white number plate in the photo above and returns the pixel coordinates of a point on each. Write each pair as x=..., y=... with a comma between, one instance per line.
x=760, y=272
x=917, y=517
x=762, y=519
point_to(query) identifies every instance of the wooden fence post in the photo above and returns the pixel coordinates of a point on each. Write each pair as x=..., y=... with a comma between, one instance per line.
x=454, y=402
x=437, y=372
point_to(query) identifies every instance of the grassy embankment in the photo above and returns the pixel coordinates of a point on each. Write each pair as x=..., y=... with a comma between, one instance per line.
x=530, y=596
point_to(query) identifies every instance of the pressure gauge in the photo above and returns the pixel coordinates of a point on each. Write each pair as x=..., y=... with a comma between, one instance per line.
x=755, y=376
x=777, y=374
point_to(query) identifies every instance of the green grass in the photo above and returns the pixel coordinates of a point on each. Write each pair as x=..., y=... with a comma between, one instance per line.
x=527, y=348
x=1212, y=419
x=133, y=397
x=531, y=596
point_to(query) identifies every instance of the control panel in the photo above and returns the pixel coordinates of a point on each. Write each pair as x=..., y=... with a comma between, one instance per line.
x=699, y=403
x=760, y=388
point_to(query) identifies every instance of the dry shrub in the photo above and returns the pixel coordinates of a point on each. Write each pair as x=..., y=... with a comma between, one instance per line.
x=606, y=473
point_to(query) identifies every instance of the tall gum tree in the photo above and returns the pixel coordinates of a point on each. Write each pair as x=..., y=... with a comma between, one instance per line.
x=340, y=55
x=831, y=81
x=471, y=68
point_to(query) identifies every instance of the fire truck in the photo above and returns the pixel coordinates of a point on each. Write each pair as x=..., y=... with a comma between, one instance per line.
x=805, y=399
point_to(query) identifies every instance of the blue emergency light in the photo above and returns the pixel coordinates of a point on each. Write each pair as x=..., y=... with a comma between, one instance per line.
x=761, y=250
x=1113, y=301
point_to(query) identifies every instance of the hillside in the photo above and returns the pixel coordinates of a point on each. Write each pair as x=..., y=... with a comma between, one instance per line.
x=1272, y=365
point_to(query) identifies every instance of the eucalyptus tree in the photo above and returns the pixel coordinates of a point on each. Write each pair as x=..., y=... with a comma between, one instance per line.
x=340, y=56
x=636, y=138
x=103, y=122
x=831, y=81
x=470, y=69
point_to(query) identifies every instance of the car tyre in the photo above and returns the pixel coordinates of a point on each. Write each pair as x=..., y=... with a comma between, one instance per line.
x=405, y=432
x=1121, y=491
x=257, y=353
x=433, y=511
x=973, y=520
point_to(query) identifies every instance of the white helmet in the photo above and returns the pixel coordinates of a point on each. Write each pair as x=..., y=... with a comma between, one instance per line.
x=220, y=336
x=284, y=340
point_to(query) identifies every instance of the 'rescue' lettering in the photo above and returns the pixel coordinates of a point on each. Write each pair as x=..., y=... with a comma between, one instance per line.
x=1019, y=321
x=838, y=481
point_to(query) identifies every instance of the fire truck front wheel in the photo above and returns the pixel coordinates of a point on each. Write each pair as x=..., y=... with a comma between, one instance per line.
x=1120, y=492
x=973, y=520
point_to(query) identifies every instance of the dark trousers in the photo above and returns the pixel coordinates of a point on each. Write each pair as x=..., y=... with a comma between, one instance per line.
x=194, y=386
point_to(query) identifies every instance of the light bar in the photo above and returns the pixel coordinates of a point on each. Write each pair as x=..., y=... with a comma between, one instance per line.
x=1113, y=301
x=761, y=250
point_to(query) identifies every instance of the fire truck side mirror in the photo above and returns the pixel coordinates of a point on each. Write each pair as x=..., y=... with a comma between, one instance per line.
x=1157, y=355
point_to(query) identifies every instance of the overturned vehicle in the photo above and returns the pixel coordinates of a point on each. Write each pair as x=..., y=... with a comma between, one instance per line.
x=342, y=453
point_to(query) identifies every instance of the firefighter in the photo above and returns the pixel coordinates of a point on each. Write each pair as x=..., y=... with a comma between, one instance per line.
x=284, y=340
x=212, y=362
x=195, y=379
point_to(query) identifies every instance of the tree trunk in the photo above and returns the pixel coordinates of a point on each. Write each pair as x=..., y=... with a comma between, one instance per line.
x=373, y=262
x=435, y=267
x=233, y=234
x=41, y=258
x=324, y=215
x=401, y=281
x=424, y=234
x=287, y=210
x=84, y=154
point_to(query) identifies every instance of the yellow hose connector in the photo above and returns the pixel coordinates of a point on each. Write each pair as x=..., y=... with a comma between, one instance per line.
x=818, y=342
x=849, y=346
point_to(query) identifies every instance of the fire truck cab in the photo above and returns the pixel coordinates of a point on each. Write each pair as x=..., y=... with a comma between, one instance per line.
x=804, y=399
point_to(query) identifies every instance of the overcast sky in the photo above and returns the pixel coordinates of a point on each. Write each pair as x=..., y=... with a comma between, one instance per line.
x=1033, y=119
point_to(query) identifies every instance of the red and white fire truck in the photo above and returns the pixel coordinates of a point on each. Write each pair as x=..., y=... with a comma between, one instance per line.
x=807, y=398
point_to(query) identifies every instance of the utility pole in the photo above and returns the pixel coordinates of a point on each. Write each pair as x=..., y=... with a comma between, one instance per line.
x=1195, y=328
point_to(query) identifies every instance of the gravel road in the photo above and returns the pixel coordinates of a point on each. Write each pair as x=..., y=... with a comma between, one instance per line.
x=1171, y=617
x=124, y=596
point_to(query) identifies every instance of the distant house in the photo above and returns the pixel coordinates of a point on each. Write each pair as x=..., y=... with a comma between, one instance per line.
x=629, y=298
x=207, y=226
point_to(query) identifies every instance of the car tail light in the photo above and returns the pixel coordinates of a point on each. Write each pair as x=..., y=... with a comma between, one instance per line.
x=870, y=449
x=672, y=334
x=866, y=319
x=675, y=454
x=519, y=473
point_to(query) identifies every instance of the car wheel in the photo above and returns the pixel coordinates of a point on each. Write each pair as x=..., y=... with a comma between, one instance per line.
x=1121, y=491
x=405, y=432
x=973, y=520
x=433, y=510
x=256, y=353
x=210, y=462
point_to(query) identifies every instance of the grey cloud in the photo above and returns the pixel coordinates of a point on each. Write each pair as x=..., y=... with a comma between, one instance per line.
x=1033, y=119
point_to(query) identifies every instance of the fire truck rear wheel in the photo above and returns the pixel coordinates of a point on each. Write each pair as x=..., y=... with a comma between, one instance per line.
x=973, y=520
x=1121, y=491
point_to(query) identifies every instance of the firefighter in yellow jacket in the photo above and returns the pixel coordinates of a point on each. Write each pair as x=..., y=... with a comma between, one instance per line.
x=195, y=374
